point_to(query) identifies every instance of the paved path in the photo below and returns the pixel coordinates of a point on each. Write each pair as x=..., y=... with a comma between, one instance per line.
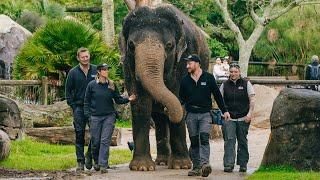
x=258, y=139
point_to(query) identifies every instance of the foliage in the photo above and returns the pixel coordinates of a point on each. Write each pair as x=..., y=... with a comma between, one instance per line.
x=29, y=154
x=52, y=50
x=123, y=123
x=296, y=42
x=30, y=20
x=54, y=10
x=217, y=48
x=283, y=173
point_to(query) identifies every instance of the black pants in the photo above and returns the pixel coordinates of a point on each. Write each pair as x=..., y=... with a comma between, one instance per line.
x=79, y=123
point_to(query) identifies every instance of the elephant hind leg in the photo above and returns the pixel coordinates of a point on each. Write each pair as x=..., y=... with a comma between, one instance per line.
x=162, y=138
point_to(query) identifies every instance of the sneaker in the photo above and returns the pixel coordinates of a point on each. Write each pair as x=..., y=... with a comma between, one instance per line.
x=103, y=170
x=88, y=162
x=206, y=170
x=243, y=169
x=195, y=172
x=228, y=169
x=96, y=167
x=80, y=167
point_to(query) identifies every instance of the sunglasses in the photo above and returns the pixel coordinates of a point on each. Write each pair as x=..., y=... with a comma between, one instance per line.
x=234, y=65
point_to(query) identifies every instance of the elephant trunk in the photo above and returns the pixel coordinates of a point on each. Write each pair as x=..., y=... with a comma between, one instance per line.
x=149, y=67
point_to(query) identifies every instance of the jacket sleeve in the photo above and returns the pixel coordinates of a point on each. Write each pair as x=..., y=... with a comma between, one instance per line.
x=87, y=101
x=182, y=94
x=217, y=95
x=117, y=98
x=69, y=90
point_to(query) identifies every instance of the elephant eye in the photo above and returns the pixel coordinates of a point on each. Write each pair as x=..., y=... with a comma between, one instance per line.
x=131, y=46
x=169, y=46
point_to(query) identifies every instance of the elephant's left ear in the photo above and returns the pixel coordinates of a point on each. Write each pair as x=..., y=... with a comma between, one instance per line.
x=182, y=45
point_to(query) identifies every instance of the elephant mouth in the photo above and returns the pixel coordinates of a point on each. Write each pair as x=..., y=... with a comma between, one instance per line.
x=149, y=67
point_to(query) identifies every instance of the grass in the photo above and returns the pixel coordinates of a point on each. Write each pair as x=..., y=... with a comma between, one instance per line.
x=29, y=154
x=123, y=123
x=283, y=173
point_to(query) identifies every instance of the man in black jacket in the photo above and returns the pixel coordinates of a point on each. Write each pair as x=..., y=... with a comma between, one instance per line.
x=195, y=94
x=76, y=84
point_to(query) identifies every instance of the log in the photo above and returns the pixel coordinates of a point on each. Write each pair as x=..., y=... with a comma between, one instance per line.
x=4, y=145
x=65, y=135
x=10, y=119
x=84, y=9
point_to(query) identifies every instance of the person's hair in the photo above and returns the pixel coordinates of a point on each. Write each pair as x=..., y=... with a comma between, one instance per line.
x=234, y=65
x=111, y=84
x=314, y=58
x=82, y=49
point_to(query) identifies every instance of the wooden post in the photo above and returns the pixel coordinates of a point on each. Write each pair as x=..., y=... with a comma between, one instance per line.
x=45, y=90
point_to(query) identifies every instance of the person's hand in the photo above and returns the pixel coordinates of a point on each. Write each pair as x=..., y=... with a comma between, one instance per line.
x=133, y=97
x=226, y=116
x=248, y=118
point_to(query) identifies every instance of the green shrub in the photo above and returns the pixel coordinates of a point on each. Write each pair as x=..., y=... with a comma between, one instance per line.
x=30, y=20
x=52, y=50
x=54, y=10
x=217, y=48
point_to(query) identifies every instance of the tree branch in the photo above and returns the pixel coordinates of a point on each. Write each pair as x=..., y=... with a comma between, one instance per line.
x=293, y=4
x=84, y=9
x=227, y=18
x=254, y=16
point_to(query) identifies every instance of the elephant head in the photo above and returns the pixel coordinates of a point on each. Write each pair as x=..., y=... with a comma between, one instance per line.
x=153, y=41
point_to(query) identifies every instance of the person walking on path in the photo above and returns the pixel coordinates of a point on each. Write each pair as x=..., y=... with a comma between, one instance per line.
x=99, y=108
x=76, y=84
x=238, y=94
x=313, y=71
x=195, y=95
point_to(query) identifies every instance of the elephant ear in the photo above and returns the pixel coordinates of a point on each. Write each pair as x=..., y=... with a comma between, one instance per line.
x=181, y=45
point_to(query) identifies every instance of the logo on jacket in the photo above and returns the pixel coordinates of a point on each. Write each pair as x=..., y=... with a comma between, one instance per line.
x=240, y=87
x=203, y=83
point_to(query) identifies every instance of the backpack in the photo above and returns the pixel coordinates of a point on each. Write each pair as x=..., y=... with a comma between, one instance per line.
x=314, y=72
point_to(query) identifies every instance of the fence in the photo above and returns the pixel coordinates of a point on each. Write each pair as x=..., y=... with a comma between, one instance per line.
x=31, y=91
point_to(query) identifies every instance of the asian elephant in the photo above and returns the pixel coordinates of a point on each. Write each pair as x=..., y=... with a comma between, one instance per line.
x=152, y=42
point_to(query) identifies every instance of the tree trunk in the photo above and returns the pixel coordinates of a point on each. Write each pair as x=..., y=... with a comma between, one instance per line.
x=4, y=145
x=244, y=57
x=66, y=135
x=108, y=22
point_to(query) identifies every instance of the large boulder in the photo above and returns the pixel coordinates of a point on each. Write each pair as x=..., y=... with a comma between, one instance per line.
x=12, y=36
x=10, y=120
x=4, y=145
x=295, y=130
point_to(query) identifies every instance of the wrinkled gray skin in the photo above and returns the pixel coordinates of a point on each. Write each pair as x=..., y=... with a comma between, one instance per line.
x=152, y=43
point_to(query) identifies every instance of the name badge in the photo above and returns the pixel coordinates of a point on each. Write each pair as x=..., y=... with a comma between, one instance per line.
x=240, y=87
x=93, y=75
x=203, y=83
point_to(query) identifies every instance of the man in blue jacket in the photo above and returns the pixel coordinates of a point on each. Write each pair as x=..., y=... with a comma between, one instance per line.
x=76, y=84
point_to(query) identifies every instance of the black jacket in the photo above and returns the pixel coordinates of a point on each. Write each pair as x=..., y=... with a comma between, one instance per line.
x=99, y=99
x=197, y=96
x=76, y=85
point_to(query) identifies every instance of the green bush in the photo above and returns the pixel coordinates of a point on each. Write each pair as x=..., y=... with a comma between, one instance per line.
x=217, y=48
x=52, y=50
x=54, y=10
x=30, y=20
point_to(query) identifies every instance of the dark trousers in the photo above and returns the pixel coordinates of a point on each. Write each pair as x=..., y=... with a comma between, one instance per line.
x=79, y=123
x=235, y=131
x=101, y=129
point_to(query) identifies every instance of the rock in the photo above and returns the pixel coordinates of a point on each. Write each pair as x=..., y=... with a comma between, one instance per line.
x=12, y=36
x=65, y=135
x=53, y=115
x=295, y=130
x=4, y=145
x=10, y=120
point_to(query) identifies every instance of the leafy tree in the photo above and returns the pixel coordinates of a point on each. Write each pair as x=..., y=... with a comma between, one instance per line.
x=52, y=50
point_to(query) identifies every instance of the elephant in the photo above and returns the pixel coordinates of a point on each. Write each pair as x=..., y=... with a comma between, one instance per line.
x=152, y=42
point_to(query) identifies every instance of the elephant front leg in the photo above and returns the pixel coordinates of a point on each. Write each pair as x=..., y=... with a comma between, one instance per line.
x=179, y=158
x=141, y=114
x=162, y=137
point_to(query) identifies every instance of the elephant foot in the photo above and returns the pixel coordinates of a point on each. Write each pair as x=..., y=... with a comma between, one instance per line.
x=178, y=162
x=162, y=160
x=142, y=164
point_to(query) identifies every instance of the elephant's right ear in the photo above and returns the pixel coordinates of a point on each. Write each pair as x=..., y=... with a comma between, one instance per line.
x=182, y=45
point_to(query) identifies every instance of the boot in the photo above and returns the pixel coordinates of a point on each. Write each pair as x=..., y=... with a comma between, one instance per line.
x=88, y=161
x=195, y=172
x=205, y=170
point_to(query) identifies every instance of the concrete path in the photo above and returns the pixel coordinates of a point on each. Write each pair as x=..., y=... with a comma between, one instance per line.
x=257, y=138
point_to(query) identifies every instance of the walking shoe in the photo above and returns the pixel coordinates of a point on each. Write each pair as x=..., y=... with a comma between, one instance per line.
x=228, y=169
x=243, y=169
x=205, y=170
x=96, y=167
x=103, y=170
x=195, y=172
x=80, y=167
x=88, y=162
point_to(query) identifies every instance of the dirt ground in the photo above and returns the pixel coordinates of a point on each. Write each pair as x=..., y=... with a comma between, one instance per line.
x=258, y=138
